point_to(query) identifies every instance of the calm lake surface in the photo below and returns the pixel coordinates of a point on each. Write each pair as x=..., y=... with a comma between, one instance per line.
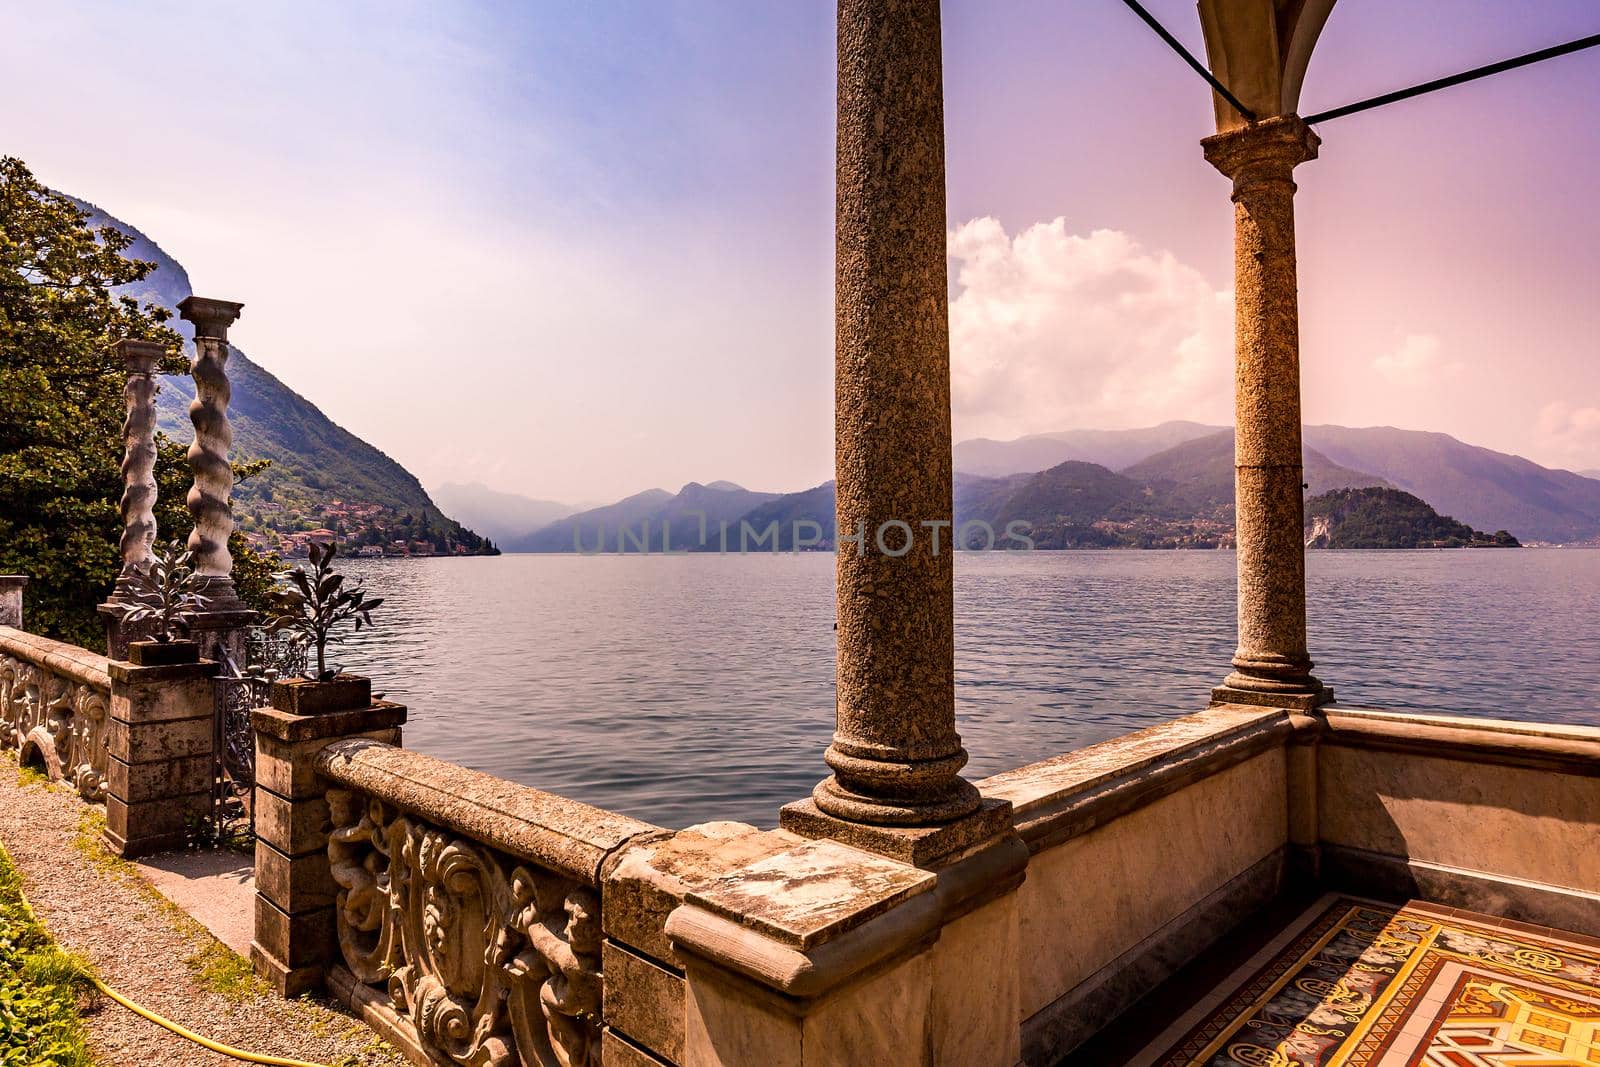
x=679, y=689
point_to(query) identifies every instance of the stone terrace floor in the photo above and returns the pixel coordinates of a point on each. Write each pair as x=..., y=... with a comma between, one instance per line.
x=1346, y=981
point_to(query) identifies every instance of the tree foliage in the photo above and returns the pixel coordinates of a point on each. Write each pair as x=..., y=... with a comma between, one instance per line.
x=61, y=403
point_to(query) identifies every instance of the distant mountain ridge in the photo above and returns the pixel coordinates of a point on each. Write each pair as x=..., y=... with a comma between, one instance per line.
x=1177, y=495
x=1113, y=449
x=691, y=518
x=1486, y=489
x=314, y=461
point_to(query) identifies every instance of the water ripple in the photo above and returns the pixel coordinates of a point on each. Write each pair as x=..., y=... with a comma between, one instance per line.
x=689, y=688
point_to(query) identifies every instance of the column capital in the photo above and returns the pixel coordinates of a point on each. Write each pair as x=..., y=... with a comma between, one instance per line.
x=211, y=318
x=1271, y=148
x=141, y=357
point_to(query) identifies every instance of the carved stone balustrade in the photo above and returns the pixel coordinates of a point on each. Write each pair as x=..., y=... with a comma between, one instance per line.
x=55, y=703
x=468, y=907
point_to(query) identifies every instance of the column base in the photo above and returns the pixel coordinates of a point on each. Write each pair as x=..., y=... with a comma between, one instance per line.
x=1304, y=700
x=223, y=623
x=920, y=846
x=288, y=982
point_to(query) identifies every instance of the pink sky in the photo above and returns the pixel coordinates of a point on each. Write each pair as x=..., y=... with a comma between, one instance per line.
x=576, y=251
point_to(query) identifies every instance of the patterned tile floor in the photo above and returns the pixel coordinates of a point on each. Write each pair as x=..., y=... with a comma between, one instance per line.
x=1355, y=983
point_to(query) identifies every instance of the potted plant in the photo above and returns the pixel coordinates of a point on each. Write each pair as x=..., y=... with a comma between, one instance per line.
x=165, y=594
x=313, y=611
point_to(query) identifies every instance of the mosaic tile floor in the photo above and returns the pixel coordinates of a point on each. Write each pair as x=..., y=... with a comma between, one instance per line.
x=1360, y=984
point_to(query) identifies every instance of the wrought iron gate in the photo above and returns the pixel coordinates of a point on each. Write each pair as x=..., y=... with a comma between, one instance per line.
x=240, y=690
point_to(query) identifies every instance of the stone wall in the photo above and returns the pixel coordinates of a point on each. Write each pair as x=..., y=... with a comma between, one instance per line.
x=55, y=701
x=138, y=739
x=1498, y=817
x=1144, y=850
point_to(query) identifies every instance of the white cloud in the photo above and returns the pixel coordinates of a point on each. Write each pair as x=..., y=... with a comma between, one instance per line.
x=1052, y=331
x=1571, y=435
x=1417, y=362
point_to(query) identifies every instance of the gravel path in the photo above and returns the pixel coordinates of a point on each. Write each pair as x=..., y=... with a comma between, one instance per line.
x=154, y=954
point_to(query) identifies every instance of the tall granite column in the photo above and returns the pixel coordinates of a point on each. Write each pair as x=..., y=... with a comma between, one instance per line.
x=896, y=756
x=141, y=360
x=1272, y=666
x=210, y=497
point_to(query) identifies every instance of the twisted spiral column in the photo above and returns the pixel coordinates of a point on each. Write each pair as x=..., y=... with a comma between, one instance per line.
x=141, y=359
x=210, y=497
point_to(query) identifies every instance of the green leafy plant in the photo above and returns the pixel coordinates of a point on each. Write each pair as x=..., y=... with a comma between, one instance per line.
x=317, y=605
x=42, y=988
x=166, y=591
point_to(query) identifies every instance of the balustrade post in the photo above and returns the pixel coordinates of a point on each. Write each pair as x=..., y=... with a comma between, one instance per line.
x=142, y=360
x=160, y=758
x=210, y=497
x=11, y=599
x=295, y=937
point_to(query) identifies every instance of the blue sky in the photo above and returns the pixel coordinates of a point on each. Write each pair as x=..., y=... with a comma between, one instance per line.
x=579, y=250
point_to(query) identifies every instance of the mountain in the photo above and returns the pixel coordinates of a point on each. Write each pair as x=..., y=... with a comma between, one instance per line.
x=1197, y=477
x=1595, y=474
x=1114, y=449
x=1377, y=517
x=498, y=516
x=1485, y=489
x=691, y=519
x=321, y=474
x=1488, y=490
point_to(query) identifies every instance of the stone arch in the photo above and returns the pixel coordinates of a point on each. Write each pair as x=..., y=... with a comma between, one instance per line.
x=1260, y=50
x=38, y=749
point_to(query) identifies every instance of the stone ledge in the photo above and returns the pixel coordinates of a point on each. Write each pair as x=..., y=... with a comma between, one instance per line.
x=854, y=943
x=563, y=835
x=57, y=657
x=127, y=674
x=811, y=893
x=1558, y=747
x=1067, y=796
x=653, y=873
x=287, y=726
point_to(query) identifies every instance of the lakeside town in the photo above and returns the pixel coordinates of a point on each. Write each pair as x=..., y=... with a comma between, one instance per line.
x=362, y=529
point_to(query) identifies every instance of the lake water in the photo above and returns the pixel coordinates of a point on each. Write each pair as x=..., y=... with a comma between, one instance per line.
x=679, y=689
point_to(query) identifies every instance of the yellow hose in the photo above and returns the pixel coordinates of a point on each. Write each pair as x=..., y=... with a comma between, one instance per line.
x=163, y=1021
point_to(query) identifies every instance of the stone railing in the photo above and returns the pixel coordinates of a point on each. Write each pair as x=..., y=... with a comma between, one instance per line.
x=55, y=702
x=471, y=903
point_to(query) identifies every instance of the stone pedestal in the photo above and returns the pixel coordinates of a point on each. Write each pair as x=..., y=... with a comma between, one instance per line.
x=11, y=586
x=295, y=939
x=824, y=954
x=1272, y=666
x=159, y=767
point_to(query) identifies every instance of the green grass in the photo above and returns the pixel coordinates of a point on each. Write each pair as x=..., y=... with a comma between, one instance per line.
x=41, y=987
x=29, y=776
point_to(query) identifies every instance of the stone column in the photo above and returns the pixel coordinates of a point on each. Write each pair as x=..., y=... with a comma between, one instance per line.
x=1272, y=666
x=11, y=599
x=142, y=360
x=210, y=497
x=896, y=756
